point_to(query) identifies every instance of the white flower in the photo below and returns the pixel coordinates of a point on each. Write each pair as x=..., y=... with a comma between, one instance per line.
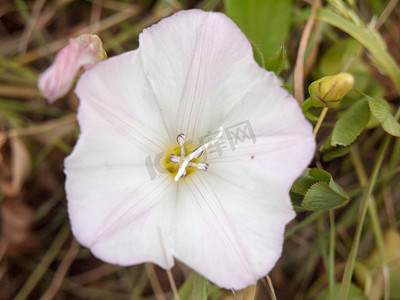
x=81, y=52
x=193, y=76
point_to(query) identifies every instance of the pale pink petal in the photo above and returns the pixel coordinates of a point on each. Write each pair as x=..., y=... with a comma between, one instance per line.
x=127, y=220
x=266, y=131
x=116, y=208
x=229, y=226
x=57, y=80
x=118, y=90
x=279, y=159
x=199, y=65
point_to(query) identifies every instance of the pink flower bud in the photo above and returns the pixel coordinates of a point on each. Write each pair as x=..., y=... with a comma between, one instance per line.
x=81, y=52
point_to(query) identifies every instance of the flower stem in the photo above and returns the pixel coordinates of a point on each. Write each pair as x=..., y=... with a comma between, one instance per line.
x=331, y=258
x=306, y=105
x=331, y=255
x=362, y=178
x=320, y=119
x=348, y=272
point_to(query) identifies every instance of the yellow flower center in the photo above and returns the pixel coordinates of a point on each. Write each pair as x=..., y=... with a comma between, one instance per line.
x=172, y=167
x=179, y=164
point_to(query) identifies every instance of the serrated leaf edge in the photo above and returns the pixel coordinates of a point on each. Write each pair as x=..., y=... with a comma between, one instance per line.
x=387, y=116
x=344, y=203
x=334, y=144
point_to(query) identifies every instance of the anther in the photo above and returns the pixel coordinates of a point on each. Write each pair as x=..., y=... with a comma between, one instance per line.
x=181, y=140
x=174, y=158
x=201, y=165
x=195, y=154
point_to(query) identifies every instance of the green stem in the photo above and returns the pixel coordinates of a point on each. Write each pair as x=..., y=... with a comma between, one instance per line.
x=348, y=272
x=323, y=242
x=362, y=178
x=306, y=105
x=379, y=182
x=331, y=258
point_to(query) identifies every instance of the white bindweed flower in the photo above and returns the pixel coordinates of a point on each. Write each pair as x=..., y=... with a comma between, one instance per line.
x=81, y=52
x=187, y=150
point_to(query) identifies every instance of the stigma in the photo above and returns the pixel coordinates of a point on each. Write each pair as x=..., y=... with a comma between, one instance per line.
x=186, y=160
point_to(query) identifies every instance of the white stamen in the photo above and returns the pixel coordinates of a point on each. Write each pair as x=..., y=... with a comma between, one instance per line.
x=201, y=165
x=195, y=153
x=199, y=154
x=181, y=140
x=174, y=158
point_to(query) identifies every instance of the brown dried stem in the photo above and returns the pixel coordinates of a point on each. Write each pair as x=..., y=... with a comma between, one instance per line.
x=299, y=68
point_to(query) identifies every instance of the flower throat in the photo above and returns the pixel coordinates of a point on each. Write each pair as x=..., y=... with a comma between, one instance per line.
x=180, y=164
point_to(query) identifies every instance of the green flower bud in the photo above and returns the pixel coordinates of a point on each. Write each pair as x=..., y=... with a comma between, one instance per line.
x=329, y=91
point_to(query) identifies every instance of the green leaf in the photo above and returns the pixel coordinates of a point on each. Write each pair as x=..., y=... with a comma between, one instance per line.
x=336, y=152
x=380, y=109
x=258, y=55
x=321, y=196
x=276, y=63
x=354, y=293
x=199, y=288
x=265, y=22
x=300, y=188
x=350, y=125
x=391, y=126
x=321, y=175
x=303, y=183
x=296, y=200
x=213, y=292
x=186, y=289
x=324, y=176
x=316, y=190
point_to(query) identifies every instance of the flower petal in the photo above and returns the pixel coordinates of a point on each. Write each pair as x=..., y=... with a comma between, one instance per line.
x=267, y=131
x=122, y=225
x=271, y=110
x=279, y=159
x=117, y=90
x=114, y=206
x=199, y=65
x=229, y=227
